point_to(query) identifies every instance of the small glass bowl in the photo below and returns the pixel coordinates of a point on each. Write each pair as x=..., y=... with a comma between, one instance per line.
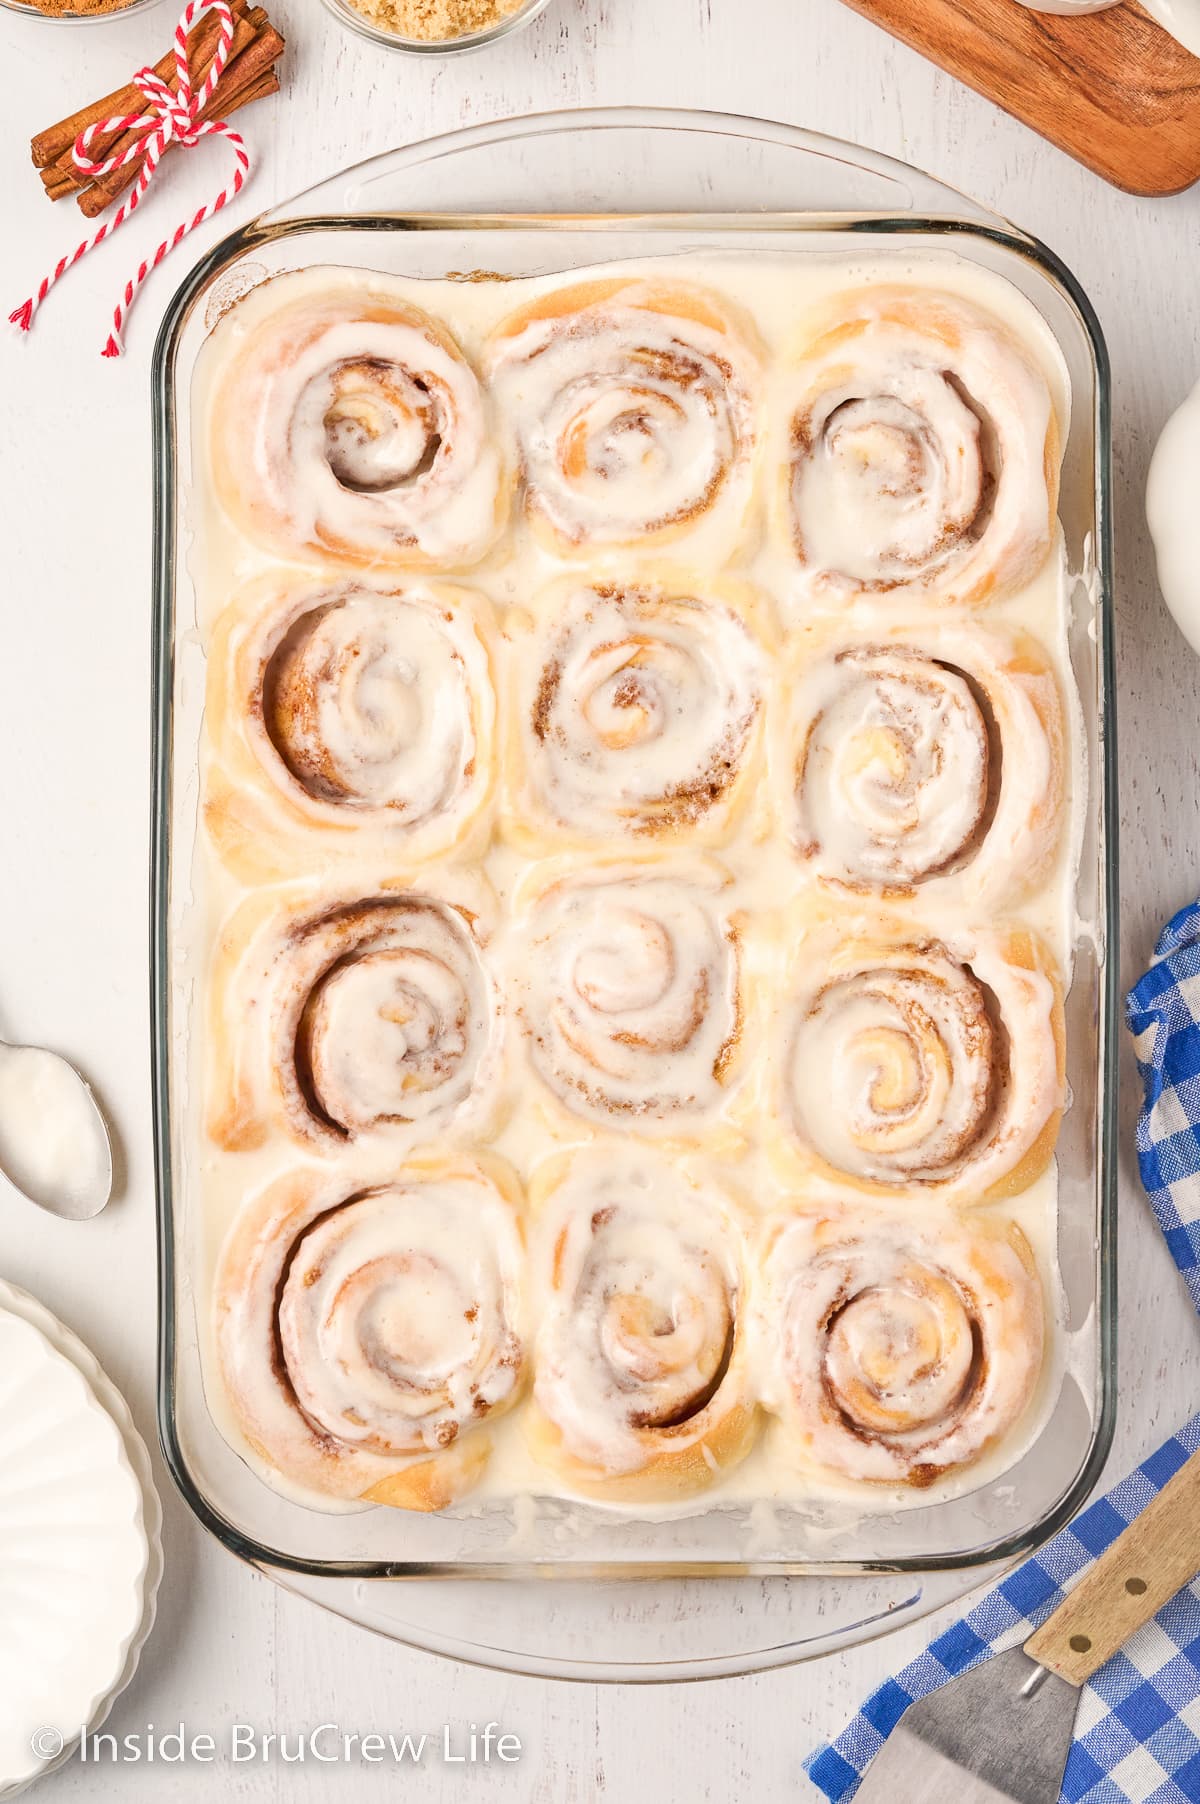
x=109, y=18
x=391, y=40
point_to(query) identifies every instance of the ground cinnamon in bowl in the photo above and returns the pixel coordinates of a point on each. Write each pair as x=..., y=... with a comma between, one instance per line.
x=77, y=9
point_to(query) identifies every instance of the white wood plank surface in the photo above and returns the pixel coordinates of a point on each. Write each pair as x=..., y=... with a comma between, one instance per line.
x=74, y=758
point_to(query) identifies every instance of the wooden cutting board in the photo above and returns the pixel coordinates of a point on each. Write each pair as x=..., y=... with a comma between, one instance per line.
x=1112, y=89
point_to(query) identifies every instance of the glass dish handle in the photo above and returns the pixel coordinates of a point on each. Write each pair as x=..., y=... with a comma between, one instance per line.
x=635, y=1632
x=670, y=161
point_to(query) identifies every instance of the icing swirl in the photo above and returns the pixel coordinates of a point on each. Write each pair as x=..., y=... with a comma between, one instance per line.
x=362, y=1331
x=923, y=451
x=901, y=1350
x=641, y=1381
x=629, y=993
x=355, y=1017
x=908, y=767
x=351, y=424
x=894, y=769
x=633, y=404
x=916, y=1062
x=644, y=713
x=347, y=711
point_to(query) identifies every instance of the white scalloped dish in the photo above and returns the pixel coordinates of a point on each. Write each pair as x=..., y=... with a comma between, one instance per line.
x=76, y=1552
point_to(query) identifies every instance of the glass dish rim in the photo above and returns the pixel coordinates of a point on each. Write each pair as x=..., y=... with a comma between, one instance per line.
x=267, y=228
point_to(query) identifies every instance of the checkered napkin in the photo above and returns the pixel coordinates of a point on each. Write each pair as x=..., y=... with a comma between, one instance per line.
x=1137, y=1733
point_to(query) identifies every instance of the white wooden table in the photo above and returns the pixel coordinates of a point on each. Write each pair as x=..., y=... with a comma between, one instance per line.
x=74, y=753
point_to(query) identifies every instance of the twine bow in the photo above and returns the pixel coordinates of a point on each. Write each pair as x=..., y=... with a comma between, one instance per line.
x=170, y=118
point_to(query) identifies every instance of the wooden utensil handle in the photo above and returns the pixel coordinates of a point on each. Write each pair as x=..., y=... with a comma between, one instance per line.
x=1148, y=1563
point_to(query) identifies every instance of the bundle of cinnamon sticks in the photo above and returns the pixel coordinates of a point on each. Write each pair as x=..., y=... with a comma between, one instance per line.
x=248, y=75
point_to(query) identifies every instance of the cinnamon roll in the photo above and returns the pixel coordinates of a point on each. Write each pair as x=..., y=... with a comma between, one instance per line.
x=627, y=986
x=353, y=1013
x=346, y=423
x=637, y=711
x=641, y=1390
x=900, y=1351
x=346, y=720
x=922, y=451
x=908, y=1061
x=366, y=1335
x=923, y=757
x=634, y=406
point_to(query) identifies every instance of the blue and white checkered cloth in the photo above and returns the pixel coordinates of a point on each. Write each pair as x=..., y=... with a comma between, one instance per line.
x=1137, y=1734
x=1163, y=1012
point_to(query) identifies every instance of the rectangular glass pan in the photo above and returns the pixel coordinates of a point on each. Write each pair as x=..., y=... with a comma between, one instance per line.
x=833, y=195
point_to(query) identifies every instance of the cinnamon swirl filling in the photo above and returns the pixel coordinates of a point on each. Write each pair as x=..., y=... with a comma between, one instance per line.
x=917, y=1062
x=634, y=410
x=640, y=1359
x=900, y=771
x=364, y=1334
x=903, y=1351
x=629, y=993
x=347, y=1017
x=644, y=712
x=923, y=451
x=349, y=423
x=386, y=1015
x=931, y=761
x=367, y=703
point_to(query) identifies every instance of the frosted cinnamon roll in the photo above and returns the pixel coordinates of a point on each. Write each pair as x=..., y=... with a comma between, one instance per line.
x=641, y=1388
x=352, y=1013
x=347, y=720
x=899, y=1351
x=366, y=1336
x=922, y=451
x=917, y=1062
x=637, y=712
x=633, y=402
x=924, y=757
x=347, y=423
x=627, y=985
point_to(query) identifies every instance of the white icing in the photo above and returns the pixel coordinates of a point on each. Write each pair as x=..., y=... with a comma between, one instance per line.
x=918, y=451
x=770, y=887
x=384, y=714
x=631, y=418
x=395, y=1311
x=627, y=983
x=922, y=1063
x=899, y=1348
x=639, y=711
x=893, y=783
x=931, y=760
x=363, y=434
x=643, y=1311
x=365, y=1016
x=53, y=1144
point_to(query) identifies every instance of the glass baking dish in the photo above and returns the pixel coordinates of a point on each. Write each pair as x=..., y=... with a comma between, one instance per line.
x=786, y=193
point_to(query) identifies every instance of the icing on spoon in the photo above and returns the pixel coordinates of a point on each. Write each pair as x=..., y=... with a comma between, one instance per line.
x=54, y=1145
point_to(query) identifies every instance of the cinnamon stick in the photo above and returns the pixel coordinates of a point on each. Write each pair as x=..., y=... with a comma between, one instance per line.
x=254, y=62
x=49, y=144
x=61, y=176
x=259, y=90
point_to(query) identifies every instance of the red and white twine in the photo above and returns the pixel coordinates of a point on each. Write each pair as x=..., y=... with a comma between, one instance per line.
x=170, y=118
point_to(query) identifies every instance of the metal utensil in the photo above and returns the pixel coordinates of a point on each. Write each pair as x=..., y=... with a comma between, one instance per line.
x=54, y=1142
x=1001, y=1733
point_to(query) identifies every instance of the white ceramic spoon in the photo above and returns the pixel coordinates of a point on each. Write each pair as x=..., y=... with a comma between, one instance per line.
x=54, y=1144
